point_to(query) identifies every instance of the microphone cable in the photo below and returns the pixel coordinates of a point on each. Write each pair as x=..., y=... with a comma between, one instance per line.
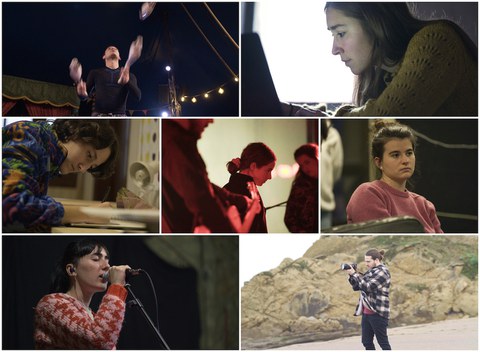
x=155, y=297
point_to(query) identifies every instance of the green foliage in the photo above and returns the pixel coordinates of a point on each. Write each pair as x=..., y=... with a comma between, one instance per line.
x=302, y=265
x=417, y=287
x=470, y=267
x=266, y=273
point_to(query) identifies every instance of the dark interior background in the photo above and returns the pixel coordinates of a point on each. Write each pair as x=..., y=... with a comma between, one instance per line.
x=29, y=260
x=448, y=177
x=40, y=39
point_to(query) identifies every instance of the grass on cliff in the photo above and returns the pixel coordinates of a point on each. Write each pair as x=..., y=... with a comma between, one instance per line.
x=439, y=249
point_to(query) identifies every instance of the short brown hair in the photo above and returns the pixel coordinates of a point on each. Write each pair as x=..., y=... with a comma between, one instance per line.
x=97, y=133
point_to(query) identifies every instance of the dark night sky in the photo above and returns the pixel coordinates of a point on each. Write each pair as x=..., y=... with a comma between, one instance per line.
x=40, y=39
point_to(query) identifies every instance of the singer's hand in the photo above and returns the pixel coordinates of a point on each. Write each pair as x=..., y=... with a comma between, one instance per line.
x=116, y=274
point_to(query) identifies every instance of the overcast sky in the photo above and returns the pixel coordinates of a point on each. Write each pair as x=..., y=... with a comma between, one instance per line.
x=262, y=252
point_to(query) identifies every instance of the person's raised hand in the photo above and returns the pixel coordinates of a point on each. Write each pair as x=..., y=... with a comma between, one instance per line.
x=75, y=69
x=135, y=51
x=82, y=89
x=116, y=274
x=124, y=75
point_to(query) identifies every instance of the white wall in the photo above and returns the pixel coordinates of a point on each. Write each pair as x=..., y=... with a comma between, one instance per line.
x=225, y=139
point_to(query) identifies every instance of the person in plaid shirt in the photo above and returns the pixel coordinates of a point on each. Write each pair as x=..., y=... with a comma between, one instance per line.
x=374, y=303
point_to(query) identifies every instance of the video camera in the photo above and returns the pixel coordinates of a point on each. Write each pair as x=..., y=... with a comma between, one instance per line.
x=348, y=266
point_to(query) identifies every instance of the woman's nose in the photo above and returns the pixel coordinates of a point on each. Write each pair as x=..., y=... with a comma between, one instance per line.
x=82, y=168
x=336, y=49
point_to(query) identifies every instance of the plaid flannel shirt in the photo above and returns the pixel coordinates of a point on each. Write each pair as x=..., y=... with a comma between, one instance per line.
x=374, y=287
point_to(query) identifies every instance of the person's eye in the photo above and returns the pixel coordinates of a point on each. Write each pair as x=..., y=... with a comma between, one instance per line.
x=410, y=153
x=340, y=34
x=395, y=155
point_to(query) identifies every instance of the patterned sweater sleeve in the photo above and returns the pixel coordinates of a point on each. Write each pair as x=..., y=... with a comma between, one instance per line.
x=24, y=161
x=429, y=72
x=60, y=323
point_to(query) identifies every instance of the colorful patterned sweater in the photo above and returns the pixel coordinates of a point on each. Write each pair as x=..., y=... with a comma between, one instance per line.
x=31, y=156
x=436, y=77
x=63, y=322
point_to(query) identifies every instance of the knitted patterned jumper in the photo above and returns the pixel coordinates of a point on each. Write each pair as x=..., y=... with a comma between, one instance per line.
x=63, y=322
x=436, y=77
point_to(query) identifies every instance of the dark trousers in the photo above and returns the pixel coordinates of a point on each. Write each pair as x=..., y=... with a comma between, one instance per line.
x=374, y=325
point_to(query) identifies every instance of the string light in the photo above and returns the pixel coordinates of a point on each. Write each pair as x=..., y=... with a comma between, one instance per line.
x=206, y=95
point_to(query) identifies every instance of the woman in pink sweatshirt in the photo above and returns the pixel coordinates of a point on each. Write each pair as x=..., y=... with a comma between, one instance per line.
x=393, y=151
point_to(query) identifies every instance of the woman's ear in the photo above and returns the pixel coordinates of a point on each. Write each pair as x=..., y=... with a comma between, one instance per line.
x=70, y=270
x=378, y=162
x=253, y=166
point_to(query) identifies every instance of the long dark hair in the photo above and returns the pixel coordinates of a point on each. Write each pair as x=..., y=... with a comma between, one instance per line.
x=310, y=150
x=60, y=281
x=390, y=26
x=97, y=133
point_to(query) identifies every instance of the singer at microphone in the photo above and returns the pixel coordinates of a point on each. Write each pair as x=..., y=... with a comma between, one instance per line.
x=63, y=318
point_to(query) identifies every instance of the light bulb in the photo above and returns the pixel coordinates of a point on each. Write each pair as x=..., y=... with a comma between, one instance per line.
x=221, y=91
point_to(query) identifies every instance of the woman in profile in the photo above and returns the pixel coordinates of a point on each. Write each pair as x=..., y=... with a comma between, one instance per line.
x=252, y=170
x=64, y=319
x=403, y=66
x=301, y=214
x=393, y=152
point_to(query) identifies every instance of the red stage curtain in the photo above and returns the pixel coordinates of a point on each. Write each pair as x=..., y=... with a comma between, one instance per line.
x=7, y=106
x=47, y=110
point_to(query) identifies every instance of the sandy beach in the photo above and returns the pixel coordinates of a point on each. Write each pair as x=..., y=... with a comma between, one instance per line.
x=460, y=334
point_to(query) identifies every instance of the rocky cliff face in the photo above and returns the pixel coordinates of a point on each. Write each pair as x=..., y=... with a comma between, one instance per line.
x=433, y=278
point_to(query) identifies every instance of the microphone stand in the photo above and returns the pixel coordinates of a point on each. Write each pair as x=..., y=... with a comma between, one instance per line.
x=136, y=302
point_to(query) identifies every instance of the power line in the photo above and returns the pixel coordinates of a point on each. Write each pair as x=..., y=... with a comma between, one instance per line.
x=208, y=41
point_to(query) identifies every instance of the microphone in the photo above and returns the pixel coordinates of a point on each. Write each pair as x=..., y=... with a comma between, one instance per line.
x=128, y=273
